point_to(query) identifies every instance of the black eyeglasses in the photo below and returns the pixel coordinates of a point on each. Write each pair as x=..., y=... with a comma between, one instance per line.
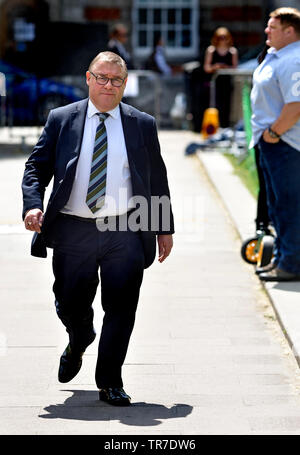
x=103, y=80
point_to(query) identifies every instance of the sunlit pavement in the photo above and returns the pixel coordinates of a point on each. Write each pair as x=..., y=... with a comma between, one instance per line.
x=207, y=355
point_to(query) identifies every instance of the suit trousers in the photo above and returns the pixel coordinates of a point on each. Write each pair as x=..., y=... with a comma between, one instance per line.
x=80, y=251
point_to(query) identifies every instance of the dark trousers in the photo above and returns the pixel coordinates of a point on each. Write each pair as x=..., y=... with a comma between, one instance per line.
x=80, y=250
x=223, y=99
x=262, y=213
x=281, y=167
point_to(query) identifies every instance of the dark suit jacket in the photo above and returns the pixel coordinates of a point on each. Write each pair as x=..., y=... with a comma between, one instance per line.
x=56, y=154
x=125, y=56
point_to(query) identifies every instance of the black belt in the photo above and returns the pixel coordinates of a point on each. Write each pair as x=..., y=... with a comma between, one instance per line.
x=103, y=219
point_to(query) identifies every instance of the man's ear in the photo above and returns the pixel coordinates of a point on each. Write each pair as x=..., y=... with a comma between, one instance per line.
x=87, y=77
x=289, y=30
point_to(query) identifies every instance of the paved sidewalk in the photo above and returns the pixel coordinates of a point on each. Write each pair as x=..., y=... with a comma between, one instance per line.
x=207, y=355
x=242, y=208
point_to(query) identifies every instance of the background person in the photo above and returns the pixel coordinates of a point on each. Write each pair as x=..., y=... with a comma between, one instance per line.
x=221, y=54
x=275, y=99
x=95, y=149
x=116, y=44
x=262, y=220
x=157, y=60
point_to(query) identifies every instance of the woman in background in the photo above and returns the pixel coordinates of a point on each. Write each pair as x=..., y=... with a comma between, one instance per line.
x=221, y=54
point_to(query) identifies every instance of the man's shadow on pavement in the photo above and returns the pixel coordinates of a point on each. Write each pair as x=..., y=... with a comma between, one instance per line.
x=85, y=405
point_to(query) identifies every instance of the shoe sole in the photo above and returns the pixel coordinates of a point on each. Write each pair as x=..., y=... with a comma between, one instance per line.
x=115, y=403
x=279, y=279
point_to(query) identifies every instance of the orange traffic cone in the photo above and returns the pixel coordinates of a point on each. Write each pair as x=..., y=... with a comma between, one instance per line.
x=210, y=123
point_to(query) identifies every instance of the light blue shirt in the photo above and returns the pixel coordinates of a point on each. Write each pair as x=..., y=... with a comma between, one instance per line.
x=161, y=62
x=276, y=82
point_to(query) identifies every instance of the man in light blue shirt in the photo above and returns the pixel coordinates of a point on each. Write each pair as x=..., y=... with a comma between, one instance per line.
x=275, y=100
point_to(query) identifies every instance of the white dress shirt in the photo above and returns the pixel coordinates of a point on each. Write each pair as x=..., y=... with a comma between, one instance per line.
x=118, y=178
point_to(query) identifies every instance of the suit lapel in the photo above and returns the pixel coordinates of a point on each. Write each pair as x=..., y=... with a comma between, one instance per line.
x=135, y=148
x=131, y=133
x=73, y=142
x=77, y=121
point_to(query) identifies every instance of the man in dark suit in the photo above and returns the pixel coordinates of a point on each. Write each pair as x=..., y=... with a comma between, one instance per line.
x=102, y=214
x=116, y=44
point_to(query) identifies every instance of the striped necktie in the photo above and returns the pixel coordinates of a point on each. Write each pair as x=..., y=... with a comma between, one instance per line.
x=97, y=183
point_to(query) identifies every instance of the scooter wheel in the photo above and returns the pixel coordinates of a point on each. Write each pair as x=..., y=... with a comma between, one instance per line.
x=250, y=250
x=265, y=250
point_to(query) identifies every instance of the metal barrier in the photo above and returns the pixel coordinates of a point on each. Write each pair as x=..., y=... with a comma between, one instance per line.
x=151, y=97
x=146, y=90
x=240, y=77
x=155, y=94
x=241, y=74
x=2, y=85
x=240, y=104
x=2, y=99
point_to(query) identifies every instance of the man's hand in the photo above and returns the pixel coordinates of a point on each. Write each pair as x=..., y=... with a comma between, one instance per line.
x=165, y=244
x=269, y=139
x=33, y=220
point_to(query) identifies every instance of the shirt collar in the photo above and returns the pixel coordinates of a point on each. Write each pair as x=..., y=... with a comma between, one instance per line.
x=92, y=110
x=281, y=51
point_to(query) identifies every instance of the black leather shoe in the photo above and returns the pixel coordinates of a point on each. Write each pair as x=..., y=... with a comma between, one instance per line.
x=279, y=275
x=71, y=361
x=70, y=364
x=115, y=396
